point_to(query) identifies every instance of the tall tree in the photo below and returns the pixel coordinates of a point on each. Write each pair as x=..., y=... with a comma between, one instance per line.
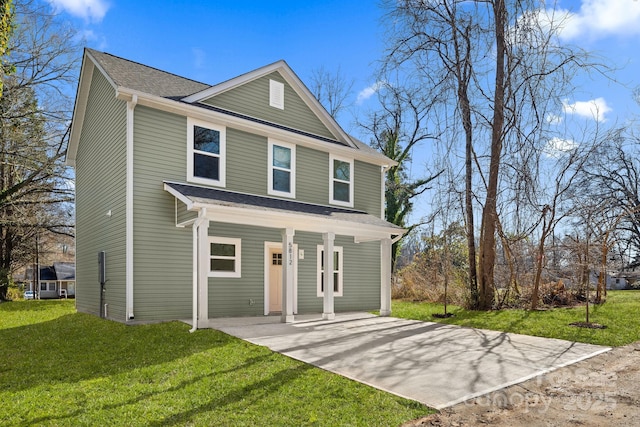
x=500, y=60
x=400, y=126
x=332, y=90
x=6, y=18
x=35, y=109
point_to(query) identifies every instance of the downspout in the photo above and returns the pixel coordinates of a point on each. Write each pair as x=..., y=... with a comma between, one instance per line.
x=383, y=182
x=131, y=105
x=194, y=265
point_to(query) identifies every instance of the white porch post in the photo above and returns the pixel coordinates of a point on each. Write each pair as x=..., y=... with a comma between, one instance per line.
x=287, y=275
x=203, y=270
x=327, y=283
x=385, y=277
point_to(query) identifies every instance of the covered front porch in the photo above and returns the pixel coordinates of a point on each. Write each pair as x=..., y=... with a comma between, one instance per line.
x=200, y=207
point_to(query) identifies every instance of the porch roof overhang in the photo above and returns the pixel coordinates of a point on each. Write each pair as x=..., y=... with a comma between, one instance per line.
x=247, y=209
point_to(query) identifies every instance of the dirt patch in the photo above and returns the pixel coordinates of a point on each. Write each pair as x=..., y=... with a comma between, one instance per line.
x=603, y=390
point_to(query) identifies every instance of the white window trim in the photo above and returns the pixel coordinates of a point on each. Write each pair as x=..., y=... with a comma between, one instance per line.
x=238, y=258
x=339, y=269
x=348, y=204
x=292, y=171
x=276, y=94
x=222, y=156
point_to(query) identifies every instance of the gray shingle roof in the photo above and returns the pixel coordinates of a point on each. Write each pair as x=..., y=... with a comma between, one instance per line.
x=133, y=75
x=142, y=78
x=229, y=198
x=65, y=270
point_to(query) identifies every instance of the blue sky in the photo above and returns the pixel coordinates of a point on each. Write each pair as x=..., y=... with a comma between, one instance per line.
x=212, y=41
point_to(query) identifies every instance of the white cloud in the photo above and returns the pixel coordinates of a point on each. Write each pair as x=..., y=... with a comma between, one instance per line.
x=554, y=119
x=593, y=109
x=369, y=91
x=91, y=10
x=602, y=18
x=556, y=147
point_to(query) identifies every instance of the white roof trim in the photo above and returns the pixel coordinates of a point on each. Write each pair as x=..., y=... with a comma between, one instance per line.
x=80, y=106
x=292, y=79
x=246, y=125
x=277, y=219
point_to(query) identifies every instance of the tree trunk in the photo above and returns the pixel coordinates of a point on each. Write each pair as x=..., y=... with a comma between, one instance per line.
x=489, y=213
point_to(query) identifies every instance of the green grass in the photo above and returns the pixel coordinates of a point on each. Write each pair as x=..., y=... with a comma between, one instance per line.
x=620, y=314
x=62, y=368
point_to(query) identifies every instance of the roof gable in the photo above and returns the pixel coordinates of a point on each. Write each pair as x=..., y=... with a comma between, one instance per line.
x=311, y=112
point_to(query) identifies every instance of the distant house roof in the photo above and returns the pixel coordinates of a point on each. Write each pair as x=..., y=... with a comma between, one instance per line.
x=48, y=273
x=65, y=270
x=57, y=271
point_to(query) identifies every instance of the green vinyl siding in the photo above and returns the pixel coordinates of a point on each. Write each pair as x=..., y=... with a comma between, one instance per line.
x=241, y=296
x=162, y=252
x=361, y=280
x=312, y=176
x=244, y=296
x=361, y=275
x=182, y=214
x=252, y=99
x=100, y=190
x=246, y=162
x=367, y=183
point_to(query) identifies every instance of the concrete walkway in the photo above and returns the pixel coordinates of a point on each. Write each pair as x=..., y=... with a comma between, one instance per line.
x=436, y=364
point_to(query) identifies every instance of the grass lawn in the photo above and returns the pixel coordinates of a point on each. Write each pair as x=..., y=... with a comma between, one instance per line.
x=620, y=314
x=62, y=368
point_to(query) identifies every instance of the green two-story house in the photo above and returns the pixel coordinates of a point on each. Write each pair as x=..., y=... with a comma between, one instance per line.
x=196, y=201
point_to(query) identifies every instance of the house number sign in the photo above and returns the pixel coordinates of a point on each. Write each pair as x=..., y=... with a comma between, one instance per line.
x=290, y=250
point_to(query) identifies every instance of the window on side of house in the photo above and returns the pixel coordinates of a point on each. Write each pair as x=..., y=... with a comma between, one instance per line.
x=224, y=257
x=206, y=153
x=282, y=169
x=341, y=181
x=48, y=286
x=337, y=271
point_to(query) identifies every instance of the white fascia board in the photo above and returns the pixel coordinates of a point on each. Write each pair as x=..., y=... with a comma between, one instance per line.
x=294, y=81
x=80, y=106
x=178, y=195
x=82, y=95
x=239, y=123
x=234, y=82
x=301, y=222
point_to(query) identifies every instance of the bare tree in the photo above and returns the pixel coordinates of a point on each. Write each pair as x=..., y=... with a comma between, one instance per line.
x=502, y=63
x=35, y=110
x=397, y=129
x=332, y=90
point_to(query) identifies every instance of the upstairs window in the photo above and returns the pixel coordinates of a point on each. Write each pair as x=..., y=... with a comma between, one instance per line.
x=282, y=170
x=341, y=182
x=206, y=153
x=337, y=271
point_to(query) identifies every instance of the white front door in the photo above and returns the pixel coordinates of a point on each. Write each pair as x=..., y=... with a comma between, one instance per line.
x=275, y=280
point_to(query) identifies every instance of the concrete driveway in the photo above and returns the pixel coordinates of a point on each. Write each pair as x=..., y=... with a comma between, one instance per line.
x=436, y=364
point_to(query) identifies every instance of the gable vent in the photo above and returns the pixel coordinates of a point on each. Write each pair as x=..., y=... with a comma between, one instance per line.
x=276, y=94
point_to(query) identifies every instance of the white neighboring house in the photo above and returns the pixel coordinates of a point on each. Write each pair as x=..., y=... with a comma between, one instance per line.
x=54, y=281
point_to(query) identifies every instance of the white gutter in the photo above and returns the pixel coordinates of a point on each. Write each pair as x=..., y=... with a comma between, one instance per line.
x=131, y=105
x=239, y=123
